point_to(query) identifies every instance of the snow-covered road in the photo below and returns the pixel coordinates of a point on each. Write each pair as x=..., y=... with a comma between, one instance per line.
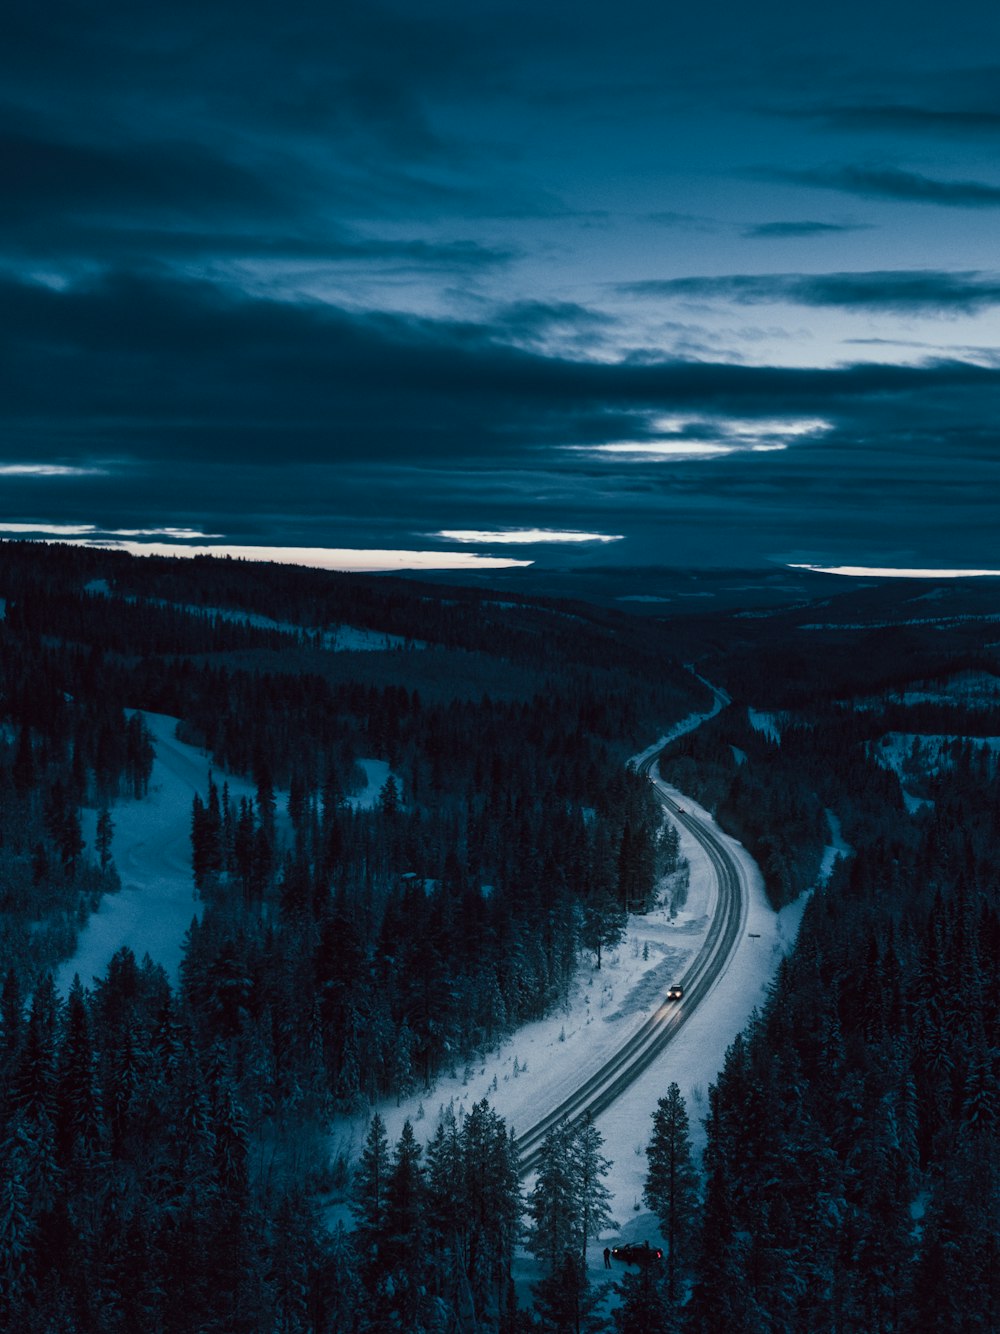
x=599, y=1091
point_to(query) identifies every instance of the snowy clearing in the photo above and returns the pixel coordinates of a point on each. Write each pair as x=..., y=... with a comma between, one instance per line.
x=152, y=851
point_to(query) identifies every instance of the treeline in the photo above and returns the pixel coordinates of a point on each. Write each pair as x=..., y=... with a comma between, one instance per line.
x=128, y=626
x=435, y=1229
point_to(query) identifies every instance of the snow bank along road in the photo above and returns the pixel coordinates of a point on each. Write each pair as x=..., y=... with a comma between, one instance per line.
x=600, y=1090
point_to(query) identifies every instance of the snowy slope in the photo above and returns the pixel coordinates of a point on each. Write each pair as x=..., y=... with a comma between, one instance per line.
x=152, y=851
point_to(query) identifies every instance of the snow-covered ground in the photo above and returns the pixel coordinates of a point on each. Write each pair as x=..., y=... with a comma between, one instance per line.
x=152, y=851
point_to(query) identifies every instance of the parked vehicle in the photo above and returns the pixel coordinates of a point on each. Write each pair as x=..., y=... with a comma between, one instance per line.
x=637, y=1253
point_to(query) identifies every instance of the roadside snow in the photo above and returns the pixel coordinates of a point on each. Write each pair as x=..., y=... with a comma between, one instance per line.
x=152, y=851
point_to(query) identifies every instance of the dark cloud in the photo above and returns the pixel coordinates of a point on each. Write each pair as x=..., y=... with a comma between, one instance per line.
x=151, y=247
x=164, y=166
x=785, y=230
x=900, y=290
x=894, y=183
x=902, y=118
x=182, y=178
x=143, y=368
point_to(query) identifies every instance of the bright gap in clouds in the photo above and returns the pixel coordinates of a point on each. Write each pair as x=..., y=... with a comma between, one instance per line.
x=324, y=558
x=892, y=572
x=662, y=449
x=92, y=530
x=48, y=470
x=50, y=529
x=520, y=536
x=712, y=437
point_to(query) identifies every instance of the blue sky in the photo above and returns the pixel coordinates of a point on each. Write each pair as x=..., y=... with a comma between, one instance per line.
x=711, y=285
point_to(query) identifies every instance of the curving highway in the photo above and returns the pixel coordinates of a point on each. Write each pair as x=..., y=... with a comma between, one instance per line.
x=601, y=1088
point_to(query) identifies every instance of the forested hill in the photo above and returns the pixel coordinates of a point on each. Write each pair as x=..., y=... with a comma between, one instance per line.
x=543, y=633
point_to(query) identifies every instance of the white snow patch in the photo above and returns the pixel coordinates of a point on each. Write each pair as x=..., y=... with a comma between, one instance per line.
x=349, y=638
x=768, y=724
x=790, y=916
x=377, y=774
x=151, y=848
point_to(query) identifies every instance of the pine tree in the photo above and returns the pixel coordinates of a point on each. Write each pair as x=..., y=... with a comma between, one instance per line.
x=671, y=1182
x=104, y=835
x=78, y=1118
x=552, y=1205
x=593, y=1196
x=720, y=1299
x=405, y=1196
x=568, y=1206
x=604, y=923
x=16, y=1236
x=370, y=1202
x=406, y=1227
x=564, y=1300
x=490, y=1205
x=644, y=1307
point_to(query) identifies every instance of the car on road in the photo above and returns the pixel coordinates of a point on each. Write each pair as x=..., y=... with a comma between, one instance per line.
x=675, y=992
x=637, y=1253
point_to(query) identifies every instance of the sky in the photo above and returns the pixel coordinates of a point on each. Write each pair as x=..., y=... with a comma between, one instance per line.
x=400, y=285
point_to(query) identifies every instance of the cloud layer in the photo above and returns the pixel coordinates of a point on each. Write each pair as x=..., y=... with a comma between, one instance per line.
x=342, y=277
